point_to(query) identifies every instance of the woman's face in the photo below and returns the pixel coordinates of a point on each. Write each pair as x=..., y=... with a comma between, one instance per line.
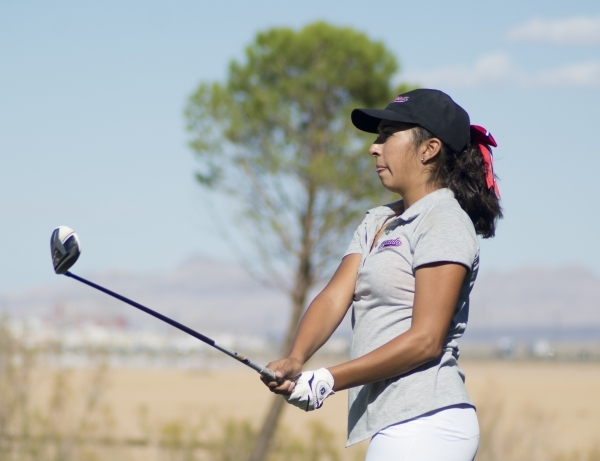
x=396, y=159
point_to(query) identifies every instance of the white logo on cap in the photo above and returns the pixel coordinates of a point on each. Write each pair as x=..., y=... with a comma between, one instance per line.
x=401, y=99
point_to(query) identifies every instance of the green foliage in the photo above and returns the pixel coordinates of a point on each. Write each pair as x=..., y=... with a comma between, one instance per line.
x=277, y=136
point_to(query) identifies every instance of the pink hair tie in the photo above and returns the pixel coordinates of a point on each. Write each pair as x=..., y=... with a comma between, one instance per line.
x=484, y=140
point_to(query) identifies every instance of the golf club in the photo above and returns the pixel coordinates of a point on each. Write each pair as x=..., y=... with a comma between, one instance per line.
x=65, y=248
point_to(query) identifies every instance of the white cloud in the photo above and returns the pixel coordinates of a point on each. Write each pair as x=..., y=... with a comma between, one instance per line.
x=498, y=69
x=490, y=70
x=579, y=30
x=585, y=74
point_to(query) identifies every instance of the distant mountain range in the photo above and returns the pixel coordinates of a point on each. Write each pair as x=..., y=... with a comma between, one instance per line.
x=213, y=296
x=206, y=295
x=559, y=303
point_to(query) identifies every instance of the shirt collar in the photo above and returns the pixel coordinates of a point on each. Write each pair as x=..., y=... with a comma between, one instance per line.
x=390, y=209
x=431, y=199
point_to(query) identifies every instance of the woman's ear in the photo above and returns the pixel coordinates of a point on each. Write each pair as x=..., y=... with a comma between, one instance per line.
x=430, y=149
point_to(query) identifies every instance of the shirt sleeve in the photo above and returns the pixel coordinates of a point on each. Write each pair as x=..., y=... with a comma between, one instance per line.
x=446, y=236
x=355, y=246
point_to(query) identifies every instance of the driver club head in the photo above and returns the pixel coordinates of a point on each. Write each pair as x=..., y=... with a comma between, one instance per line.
x=65, y=249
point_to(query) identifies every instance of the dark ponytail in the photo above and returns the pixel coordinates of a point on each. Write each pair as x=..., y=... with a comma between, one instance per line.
x=464, y=174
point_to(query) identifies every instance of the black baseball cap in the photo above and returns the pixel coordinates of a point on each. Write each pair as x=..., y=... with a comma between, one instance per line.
x=434, y=110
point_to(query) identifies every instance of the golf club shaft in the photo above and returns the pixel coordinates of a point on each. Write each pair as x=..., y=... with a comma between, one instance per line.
x=265, y=372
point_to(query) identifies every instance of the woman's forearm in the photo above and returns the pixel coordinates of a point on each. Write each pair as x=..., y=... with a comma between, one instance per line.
x=326, y=311
x=316, y=327
x=397, y=357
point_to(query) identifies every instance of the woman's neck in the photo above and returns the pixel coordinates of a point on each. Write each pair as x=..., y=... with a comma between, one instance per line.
x=411, y=197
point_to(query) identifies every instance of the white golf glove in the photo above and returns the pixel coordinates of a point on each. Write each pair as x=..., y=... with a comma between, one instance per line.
x=312, y=388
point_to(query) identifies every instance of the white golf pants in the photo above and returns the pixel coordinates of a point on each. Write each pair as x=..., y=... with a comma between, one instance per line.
x=450, y=434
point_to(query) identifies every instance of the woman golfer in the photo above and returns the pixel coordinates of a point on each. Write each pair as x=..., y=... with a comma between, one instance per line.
x=407, y=274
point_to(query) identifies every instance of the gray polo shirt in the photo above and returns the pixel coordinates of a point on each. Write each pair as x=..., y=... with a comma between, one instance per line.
x=433, y=229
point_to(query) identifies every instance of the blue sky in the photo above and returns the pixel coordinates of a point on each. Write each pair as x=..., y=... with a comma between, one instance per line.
x=92, y=133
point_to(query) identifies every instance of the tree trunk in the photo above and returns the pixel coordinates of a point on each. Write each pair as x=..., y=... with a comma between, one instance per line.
x=263, y=440
x=304, y=280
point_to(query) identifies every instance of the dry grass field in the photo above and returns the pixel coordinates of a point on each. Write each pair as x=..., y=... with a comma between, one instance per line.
x=527, y=410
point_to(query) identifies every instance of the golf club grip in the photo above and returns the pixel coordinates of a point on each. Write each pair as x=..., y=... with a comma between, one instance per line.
x=269, y=374
x=205, y=339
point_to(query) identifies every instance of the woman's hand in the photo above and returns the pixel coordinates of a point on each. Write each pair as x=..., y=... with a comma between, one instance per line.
x=285, y=370
x=311, y=389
